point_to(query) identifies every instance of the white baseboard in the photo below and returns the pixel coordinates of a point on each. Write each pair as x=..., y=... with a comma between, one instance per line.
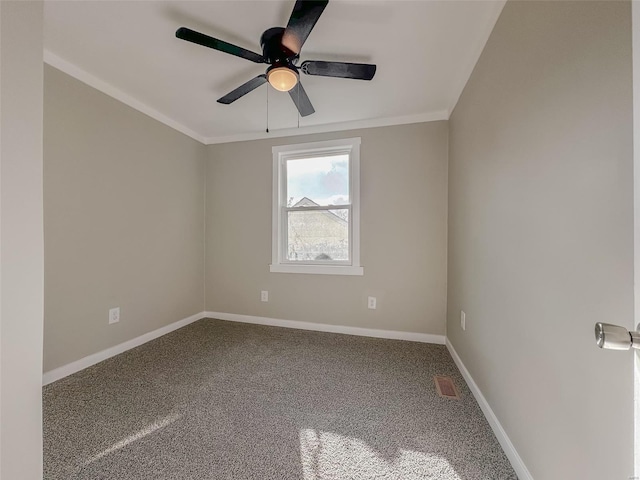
x=73, y=367
x=324, y=327
x=516, y=462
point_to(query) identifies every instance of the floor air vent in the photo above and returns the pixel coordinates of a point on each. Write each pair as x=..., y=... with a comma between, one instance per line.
x=445, y=387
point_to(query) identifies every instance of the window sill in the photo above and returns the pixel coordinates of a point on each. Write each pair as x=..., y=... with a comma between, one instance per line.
x=317, y=269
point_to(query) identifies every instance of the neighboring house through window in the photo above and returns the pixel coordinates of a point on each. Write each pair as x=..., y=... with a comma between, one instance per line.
x=316, y=208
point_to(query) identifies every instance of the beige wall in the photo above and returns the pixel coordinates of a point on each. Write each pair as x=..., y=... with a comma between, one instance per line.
x=540, y=233
x=403, y=232
x=124, y=199
x=21, y=240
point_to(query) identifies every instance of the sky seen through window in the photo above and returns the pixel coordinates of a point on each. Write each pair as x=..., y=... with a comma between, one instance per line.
x=325, y=180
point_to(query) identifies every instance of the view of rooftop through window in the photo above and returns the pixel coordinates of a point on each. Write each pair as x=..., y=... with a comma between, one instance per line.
x=318, y=235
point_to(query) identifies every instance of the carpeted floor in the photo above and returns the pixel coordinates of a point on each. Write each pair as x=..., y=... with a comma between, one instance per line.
x=221, y=400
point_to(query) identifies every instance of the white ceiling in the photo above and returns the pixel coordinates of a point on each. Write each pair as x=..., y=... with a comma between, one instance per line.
x=424, y=50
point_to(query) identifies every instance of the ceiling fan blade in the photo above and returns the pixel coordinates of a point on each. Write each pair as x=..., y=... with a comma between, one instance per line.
x=359, y=71
x=300, y=98
x=303, y=18
x=243, y=89
x=207, y=41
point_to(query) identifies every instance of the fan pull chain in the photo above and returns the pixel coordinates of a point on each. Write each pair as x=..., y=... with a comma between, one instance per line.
x=298, y=104
x=267, y=108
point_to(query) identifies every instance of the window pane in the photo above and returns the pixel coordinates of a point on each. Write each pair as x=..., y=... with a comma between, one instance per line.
x=318, y=235
x=318, y=181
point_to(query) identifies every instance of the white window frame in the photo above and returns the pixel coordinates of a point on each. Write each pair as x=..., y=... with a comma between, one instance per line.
x=279, y=263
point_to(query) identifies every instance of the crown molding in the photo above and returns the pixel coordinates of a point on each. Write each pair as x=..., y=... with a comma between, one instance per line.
x=82, y=75
x=78, y=73
x=333, y=127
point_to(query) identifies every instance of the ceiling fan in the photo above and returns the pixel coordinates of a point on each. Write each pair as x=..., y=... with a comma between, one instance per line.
x=281, y=50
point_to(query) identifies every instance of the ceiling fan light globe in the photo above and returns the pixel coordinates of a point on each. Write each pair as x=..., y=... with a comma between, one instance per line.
x=282, y=78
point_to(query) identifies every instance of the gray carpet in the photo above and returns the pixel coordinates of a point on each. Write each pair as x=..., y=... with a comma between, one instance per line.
x=222, y=400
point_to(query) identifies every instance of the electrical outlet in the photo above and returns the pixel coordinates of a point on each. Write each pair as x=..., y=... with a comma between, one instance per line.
x=463, y=320
x=114, y=315
x=372, y=303
x=264, y=296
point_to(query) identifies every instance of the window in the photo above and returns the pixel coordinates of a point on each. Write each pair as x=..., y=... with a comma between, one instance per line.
x=316, y=211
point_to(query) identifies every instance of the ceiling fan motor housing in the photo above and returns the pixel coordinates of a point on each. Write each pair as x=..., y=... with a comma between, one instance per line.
x=273, y=51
